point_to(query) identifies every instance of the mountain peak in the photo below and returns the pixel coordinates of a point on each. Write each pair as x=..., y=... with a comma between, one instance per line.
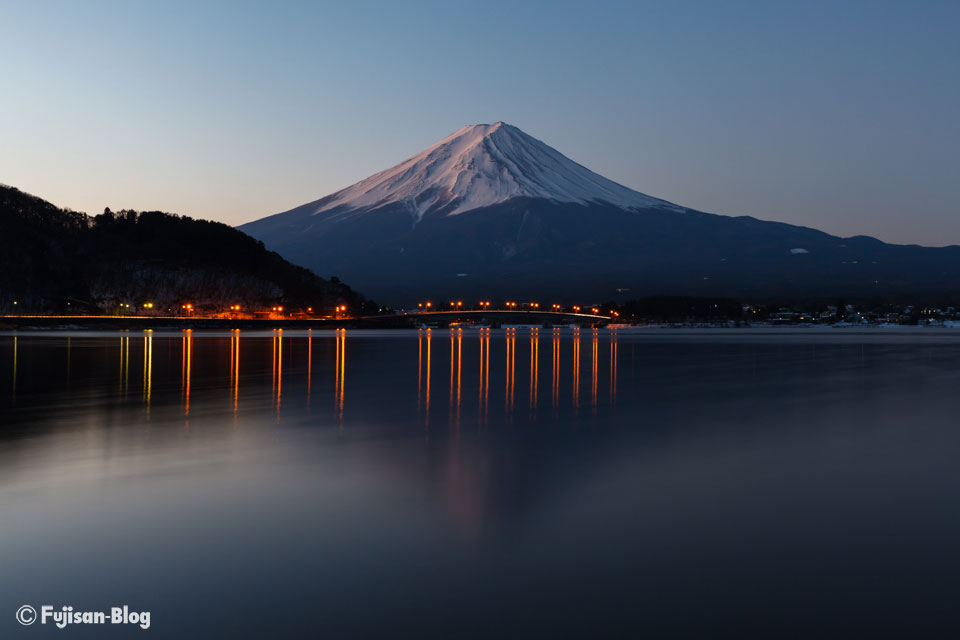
x=478, y=166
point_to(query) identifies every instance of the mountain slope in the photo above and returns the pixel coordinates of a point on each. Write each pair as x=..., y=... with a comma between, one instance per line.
x=49, y=257
x=490, y=211
x=479, y=166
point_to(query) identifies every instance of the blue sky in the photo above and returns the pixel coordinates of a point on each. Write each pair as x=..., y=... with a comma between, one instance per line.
x=838, y=115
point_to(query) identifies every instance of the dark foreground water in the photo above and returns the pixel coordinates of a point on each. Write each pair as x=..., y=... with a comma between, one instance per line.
x=502, y=484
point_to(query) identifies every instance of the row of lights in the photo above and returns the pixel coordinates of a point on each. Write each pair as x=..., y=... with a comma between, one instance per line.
x=237, y=307
x=485, y=304
x=188, y=307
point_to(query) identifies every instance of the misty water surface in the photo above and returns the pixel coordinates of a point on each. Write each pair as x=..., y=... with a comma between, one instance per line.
x=484, y=483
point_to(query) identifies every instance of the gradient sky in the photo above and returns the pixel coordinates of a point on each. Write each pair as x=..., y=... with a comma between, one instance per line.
x=840, y=115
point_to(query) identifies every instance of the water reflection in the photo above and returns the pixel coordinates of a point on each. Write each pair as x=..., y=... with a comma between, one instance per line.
x=235, y=370
x=555, y=373
x=534, y=369
x=613, y=368
x=424, y=351
x=511, y=361
x=147, y=368
x=124, y=364
x=309, y=364
x=484, y=379
x=277, y=385
x=576, y=369
x=13, y=396
x=186, y=371
x=457, y=337
x=836, y=444
x=292, y=385
x=593, y=370
x=341, y=372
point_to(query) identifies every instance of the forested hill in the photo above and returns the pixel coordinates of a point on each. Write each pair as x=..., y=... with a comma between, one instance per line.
x=54, y=260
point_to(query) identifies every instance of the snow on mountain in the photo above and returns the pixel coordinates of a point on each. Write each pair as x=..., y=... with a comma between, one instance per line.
x=482, y=165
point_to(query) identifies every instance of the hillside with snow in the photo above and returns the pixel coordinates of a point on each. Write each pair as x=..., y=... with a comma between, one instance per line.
x=491, y=211
x=479, y=166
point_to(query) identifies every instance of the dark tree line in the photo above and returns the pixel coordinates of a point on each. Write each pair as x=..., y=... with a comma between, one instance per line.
x=50, y=257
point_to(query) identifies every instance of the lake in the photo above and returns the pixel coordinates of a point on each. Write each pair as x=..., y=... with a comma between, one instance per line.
x=496, y=483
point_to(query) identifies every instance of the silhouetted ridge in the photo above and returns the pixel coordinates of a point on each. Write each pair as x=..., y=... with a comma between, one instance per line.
x=50, y=257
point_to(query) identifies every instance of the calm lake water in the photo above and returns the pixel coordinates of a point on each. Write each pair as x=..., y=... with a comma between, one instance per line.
x=484, y=484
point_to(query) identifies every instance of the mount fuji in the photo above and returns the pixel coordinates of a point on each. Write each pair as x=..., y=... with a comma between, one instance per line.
x=493, y=212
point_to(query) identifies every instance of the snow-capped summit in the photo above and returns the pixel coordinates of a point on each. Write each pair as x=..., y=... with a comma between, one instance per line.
x=478, y=166
x=493, y=213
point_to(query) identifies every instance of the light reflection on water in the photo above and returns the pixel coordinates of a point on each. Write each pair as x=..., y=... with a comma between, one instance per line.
x=670, y=483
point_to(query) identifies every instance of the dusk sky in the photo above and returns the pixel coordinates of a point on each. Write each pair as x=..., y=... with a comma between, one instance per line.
x=844, y=116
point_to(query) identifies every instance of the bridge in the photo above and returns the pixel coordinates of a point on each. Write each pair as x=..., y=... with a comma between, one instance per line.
x=499, y=317
x=490, y=317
